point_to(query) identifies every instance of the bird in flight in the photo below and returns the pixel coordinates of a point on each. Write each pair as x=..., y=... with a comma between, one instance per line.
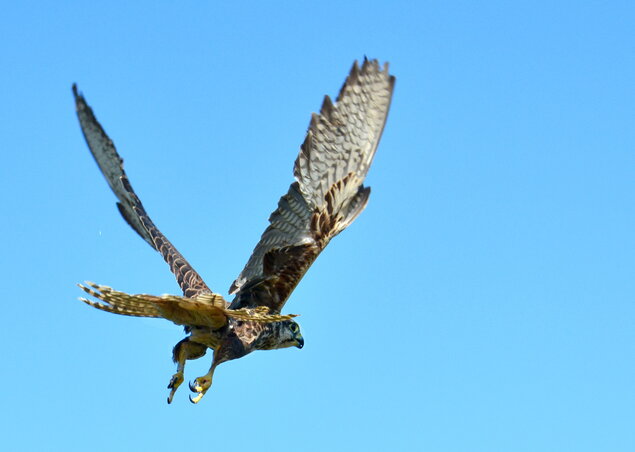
x=327, y=195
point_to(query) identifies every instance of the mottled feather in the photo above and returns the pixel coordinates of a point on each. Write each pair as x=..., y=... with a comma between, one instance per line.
x=328, y=193
x=111, y=165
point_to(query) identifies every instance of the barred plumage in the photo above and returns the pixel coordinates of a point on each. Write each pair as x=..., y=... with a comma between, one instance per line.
x=204, y=310
x=326, y=197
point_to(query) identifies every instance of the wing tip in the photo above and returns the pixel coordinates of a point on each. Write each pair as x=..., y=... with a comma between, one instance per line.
x=368, y=66
x=77, y=94
x=327, y=107
x=80, y=102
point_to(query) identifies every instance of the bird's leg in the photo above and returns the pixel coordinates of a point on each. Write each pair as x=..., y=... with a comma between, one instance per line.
x=183, y=351
x=229, y=348
x=202, y=384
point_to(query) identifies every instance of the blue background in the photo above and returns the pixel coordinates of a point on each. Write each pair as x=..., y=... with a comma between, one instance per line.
x=484, y=301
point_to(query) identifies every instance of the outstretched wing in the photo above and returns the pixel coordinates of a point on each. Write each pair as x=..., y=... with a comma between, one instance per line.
x=130, y=207
x=328, y=193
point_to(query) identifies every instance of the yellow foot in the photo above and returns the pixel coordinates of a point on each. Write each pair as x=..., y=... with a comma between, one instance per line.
x=200, y=387
x=175, y=382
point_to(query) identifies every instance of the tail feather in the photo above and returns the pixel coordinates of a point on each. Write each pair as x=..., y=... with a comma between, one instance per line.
x=119, y=302
x=205, y=310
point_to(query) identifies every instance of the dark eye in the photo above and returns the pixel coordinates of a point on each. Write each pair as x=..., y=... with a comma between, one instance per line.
x=294, y=328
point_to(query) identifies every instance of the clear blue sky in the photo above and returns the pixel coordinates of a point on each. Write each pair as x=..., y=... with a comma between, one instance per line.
x=484, y=301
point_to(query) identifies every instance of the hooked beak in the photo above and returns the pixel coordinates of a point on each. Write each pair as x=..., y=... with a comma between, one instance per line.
x=299, y=341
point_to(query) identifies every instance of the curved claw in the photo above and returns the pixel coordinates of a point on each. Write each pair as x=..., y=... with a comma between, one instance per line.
x=196, y=398
x=199, y=386
x=174, y=384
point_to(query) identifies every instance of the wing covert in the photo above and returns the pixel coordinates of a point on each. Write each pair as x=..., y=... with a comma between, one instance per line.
x=111, y=165
x=328, y=193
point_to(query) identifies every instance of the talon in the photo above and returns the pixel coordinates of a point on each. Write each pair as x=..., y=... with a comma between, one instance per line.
x=174, y=384
x=197, y=398
x=200, y=386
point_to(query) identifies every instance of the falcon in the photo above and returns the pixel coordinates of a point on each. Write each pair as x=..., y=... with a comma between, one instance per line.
x=326, y=197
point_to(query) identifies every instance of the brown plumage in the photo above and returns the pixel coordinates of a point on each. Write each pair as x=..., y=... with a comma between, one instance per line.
x=326, y=197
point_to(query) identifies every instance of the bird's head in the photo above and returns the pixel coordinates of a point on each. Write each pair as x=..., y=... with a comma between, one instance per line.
x=296, y=336
x=282, y=335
